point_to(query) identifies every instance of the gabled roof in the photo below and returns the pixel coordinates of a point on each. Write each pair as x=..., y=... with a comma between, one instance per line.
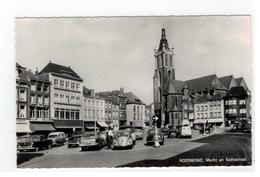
x=110, y=93
x=237, y=92
x=133, y=99
x=30, y=76
x=174, y=86
x=61, y=70
x=239, y=80
x=27, y=76
x=19, y=66
x=226, y=80
x=206, y=82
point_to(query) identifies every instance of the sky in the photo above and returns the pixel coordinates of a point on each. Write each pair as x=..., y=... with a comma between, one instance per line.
x=109, y=53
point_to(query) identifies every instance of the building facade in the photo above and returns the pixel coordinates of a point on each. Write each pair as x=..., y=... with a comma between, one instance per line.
x=135, y=111
x=208, y=109
x=94, y=111
x=237, y=106
x=120, y=99
x=33, y=102
x=66, y=97
x=149, y=113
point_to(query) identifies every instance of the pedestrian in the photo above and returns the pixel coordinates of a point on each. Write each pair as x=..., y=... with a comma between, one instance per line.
x=110, y=138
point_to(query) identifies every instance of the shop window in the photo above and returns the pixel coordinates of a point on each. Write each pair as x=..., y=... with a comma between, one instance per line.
x=62, y=113
x=56, y=113
x=67, y=114
x=77, y=114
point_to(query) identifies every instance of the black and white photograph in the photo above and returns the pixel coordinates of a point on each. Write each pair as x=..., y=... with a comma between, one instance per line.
x=139, y=91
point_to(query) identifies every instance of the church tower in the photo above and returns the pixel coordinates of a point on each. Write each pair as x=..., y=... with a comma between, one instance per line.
x=163, y=73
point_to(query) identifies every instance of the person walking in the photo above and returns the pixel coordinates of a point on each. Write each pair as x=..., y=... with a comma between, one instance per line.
x=110, y=138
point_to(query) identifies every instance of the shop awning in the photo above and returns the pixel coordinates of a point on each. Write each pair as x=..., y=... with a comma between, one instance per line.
x=23, y=128
x=91, y=128
x=102, y=124
x=67, y=126
x=42, y=127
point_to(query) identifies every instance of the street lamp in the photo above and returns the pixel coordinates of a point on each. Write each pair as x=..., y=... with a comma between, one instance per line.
x=156, y=143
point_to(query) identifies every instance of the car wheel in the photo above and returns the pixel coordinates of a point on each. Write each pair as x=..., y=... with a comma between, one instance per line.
x=69, y=146
x=83, y=148
x=162, y=143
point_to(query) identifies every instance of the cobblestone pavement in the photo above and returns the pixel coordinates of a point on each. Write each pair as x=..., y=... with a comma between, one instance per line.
x=64, y=157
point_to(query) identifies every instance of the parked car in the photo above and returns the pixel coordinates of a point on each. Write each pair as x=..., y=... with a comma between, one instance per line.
x=150, y=139
x=57, y=138
x=186, y=131
x=123, y=139
x=33, y=142
x=74, y=141
x=165, y=131
x=91, y=140
x=247, y=128
x=139, y=134
x=132, y=131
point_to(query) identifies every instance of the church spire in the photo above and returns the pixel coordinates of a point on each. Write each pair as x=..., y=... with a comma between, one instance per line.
x=163, y=41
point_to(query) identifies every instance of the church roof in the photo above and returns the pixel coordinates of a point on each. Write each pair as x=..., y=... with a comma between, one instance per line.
x=201, y=98
x=174, y=86
x=239, y=80
x=163, y=41
x=206, y=82
x=226, y=80
x=61, y=70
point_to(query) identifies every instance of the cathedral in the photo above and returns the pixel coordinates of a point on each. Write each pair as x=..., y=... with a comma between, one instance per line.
x=172, y=102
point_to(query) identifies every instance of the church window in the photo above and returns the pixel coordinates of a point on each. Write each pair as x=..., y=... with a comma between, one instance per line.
x=171, y=60
x=169, y=74
x=166, y=60
x=160, y=78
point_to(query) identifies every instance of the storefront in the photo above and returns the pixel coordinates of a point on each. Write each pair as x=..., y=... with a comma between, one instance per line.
x=68, y=126
x=34, y=127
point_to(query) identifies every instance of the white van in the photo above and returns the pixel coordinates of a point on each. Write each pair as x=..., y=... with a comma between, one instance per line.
x=185, y=129
x=58, y=138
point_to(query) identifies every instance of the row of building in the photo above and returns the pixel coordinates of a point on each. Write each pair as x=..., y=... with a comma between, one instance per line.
x=56, y=99
x=222, y=101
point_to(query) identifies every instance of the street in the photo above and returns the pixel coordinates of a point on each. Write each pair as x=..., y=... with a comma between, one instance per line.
x=201, y=150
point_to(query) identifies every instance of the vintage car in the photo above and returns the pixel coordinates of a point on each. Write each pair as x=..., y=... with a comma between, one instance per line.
x=91, y=140
x=132, y=131
x=57, y=138
x=139, y=134
x=74, y=141
x=150, y=139
x=122, y=139
x=185, y=131
x=33, y=142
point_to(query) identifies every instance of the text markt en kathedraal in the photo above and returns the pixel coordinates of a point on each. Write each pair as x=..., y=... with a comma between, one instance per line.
x=211, y=160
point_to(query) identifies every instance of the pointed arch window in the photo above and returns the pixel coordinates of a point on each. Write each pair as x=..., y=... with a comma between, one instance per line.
x=166, y=60
x=160, y=78
x=169, y=74
x=171, y=64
